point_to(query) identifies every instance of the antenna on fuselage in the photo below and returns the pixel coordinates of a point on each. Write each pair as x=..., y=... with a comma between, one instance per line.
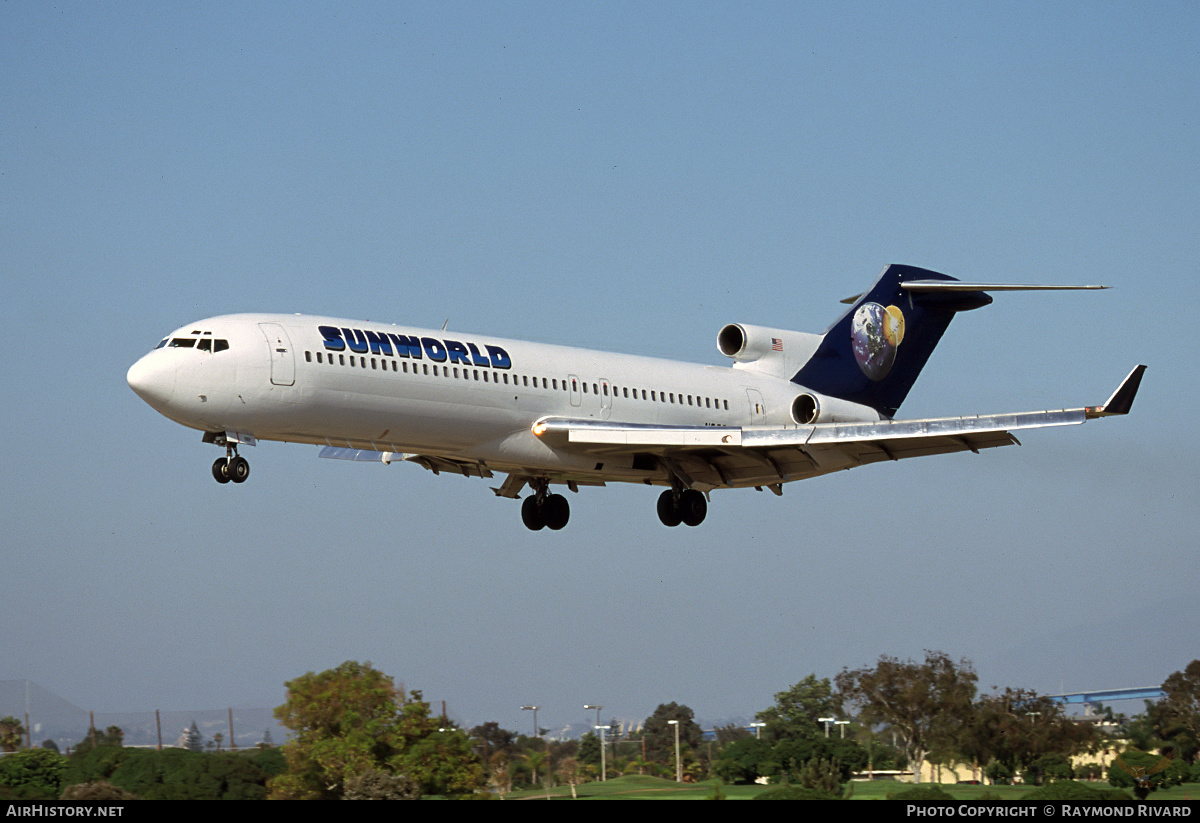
x=447, y=323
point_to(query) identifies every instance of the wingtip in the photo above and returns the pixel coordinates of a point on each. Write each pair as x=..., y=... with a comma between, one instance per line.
x=1122, y=399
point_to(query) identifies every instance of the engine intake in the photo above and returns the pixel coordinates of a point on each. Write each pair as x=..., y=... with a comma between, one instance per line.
x=806, y=410
x=731, y=341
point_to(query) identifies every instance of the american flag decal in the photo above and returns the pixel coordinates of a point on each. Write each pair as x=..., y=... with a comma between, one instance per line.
x=776, y=344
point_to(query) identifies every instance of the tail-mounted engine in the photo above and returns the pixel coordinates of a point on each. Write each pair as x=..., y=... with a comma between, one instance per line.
x=806, y=410
x=777, y=352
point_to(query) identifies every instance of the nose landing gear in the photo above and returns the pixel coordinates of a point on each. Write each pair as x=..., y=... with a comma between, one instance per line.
x=231, y=467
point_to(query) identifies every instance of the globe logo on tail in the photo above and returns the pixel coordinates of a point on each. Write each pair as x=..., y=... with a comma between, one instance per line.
x=875, y=333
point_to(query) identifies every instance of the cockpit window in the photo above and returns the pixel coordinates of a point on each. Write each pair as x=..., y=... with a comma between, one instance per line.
x=162, y=342
x=207, y=344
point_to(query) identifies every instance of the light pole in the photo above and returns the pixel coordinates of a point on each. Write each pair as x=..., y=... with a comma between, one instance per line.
x=678, y=763
x=603, y=768
x=597, y=708
x=535, y=725
x=843, y=724
x=826, y=721
x=758, y=727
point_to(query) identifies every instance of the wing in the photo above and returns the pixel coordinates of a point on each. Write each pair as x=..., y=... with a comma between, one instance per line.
x=511, y=487
x=711, y=457
x=708, y=457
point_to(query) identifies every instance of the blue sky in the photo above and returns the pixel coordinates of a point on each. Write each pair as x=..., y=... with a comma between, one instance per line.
x=624, y=176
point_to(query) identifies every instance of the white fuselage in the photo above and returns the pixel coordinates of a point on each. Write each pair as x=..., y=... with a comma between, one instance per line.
x=460, y=396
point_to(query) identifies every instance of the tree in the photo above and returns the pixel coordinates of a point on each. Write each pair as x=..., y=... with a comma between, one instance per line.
x=373, y=785
x=571, y=773
x=1145, y=772
x=797, y=711
x=495, y=740
x=746, y=760
x=112, y=736
x=12, y=733
x=99, y=791
x=1016, y=728
x=353, y=720
x=33, y=774
x=500, y=773
x=926, y=704
x=794, y=755
x=536, y=760
x=174, y=774
x=730, y=734
x=823, y=775
x=1181, y=710
x=589, y=749
x=659, y=735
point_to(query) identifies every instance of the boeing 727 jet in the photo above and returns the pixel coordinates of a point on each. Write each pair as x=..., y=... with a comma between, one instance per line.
x=792, y=406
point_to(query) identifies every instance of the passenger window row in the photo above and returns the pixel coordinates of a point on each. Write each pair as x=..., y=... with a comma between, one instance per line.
x=525, y=381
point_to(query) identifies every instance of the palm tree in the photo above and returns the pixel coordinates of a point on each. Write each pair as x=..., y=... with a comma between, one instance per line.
x=501, y=773
x=569, y=770
x=535, y=761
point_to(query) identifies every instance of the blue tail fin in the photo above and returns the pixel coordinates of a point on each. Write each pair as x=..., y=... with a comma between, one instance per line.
x=873, y=353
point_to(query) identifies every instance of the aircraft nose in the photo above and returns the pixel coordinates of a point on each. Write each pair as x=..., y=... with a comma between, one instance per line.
x=152, y=379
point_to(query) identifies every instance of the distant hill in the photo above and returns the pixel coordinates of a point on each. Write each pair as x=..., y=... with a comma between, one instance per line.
x=51, y=717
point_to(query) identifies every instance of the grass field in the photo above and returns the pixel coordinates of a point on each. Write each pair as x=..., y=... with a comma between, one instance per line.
x=657, y=788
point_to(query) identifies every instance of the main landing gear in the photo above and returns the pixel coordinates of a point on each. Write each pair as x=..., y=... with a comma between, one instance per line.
x=677, y=506
x=542, y=510
x=231, y=467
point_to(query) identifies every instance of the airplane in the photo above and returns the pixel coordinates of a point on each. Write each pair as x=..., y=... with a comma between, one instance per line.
x=792, y=406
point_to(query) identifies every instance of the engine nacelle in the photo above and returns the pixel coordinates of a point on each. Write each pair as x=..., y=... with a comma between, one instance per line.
x=746, y=343
x=806, y=410
x=777, y=352
x=742, y=343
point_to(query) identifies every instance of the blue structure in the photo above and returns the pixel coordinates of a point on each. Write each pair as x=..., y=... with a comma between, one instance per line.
x=1139, y=693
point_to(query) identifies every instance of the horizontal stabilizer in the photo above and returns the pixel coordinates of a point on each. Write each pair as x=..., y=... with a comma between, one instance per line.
x=954, y=285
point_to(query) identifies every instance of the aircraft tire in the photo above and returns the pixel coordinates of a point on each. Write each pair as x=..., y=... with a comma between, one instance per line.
x=556, y=511
x=239, y=469
x=531, y=514
x=220, y=470
x=692, y=507
x=668, y=511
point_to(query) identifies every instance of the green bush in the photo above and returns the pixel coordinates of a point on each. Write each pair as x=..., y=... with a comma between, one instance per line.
x=1174, y=773
x=797, y=793
x=33, y=774
x=175, y=774
x=921, y=793
x=97, y=791
x=1073, y=790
